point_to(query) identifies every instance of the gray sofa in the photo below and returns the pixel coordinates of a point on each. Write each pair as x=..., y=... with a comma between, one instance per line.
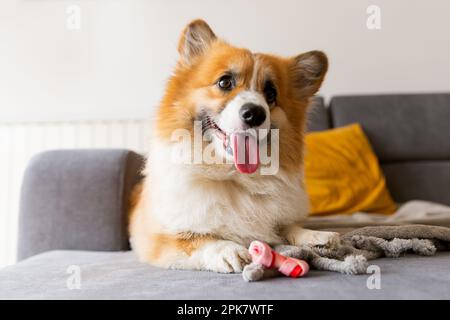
x=74, y=203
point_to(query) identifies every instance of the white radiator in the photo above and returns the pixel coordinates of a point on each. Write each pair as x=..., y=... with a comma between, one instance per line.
x=20, y=141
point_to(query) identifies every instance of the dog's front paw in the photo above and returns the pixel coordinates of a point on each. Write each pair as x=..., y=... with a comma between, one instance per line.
x=226, y=257
x=314, y=238
x=325, y=239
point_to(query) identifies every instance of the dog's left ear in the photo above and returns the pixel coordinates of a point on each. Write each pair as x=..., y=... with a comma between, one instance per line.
x=194, y=40
x=308, y=71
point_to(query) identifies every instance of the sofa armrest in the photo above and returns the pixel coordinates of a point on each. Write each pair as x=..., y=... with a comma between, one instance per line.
x=77, y=200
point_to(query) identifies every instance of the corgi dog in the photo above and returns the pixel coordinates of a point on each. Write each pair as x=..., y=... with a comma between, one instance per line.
x=201, y=215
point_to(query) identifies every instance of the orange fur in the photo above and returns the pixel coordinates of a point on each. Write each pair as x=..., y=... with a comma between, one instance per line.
x=189, y=83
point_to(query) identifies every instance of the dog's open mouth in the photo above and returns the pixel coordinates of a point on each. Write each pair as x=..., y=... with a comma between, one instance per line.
x=242, y=145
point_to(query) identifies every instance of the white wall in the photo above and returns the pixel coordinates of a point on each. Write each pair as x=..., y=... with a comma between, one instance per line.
x=20, y=141
x=116, y=65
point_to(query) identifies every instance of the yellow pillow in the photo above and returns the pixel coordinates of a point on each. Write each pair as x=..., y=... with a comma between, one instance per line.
x=342, y=174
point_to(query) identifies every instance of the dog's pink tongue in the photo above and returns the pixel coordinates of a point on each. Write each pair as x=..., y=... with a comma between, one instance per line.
x=246, y=152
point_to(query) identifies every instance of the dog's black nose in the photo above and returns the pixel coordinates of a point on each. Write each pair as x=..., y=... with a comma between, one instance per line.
x=252, y=114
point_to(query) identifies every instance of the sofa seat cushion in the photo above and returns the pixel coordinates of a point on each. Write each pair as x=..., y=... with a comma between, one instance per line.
x=119, y=275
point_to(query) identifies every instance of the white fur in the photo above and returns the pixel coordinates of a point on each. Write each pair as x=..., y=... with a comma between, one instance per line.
x=230, y=122
x=256, y=69
x=222, y=256
x=297, y=236
x=229, y=119
x=237, y=207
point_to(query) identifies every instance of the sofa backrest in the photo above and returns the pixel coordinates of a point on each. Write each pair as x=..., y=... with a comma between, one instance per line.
x=78, y=199
x=318, y=118
x=410, y=133
x=413, y=127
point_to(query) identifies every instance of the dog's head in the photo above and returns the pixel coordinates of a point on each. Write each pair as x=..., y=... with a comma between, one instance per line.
x=235, y=93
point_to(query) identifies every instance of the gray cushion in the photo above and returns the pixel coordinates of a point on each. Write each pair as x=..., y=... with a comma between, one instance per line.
x=400, y=127
x=420, y=180
x=318, y=118
x=118, y=275
x=76, y=199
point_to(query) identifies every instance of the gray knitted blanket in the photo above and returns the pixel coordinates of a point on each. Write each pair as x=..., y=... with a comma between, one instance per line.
x=358, y=246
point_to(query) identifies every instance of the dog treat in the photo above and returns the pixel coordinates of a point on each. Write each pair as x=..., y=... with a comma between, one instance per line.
x=263, y=254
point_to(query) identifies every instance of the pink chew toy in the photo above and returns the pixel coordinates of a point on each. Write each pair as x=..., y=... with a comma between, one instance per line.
x=263, y=254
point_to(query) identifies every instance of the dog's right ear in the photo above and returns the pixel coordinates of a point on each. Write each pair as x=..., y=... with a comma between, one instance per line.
x=195, y=39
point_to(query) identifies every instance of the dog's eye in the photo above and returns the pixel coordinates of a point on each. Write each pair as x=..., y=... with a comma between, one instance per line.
x=226, y=82
x=270, y=92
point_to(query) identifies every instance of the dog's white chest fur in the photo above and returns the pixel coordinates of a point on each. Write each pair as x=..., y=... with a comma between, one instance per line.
x=236, y=207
